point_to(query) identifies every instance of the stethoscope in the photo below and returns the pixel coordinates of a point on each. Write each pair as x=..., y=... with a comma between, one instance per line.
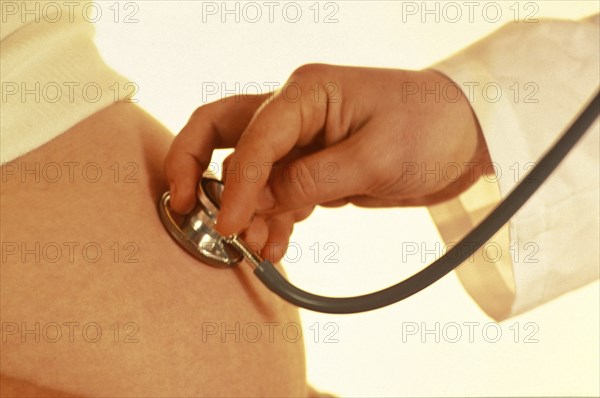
x=195, y=233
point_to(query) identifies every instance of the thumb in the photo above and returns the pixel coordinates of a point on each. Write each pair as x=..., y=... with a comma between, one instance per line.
x=333, y=173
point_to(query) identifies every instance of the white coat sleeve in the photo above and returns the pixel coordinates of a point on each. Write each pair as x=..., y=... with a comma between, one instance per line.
x=525, y=83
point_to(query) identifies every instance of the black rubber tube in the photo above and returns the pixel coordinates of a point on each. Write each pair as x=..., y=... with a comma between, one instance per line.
x=269, y=275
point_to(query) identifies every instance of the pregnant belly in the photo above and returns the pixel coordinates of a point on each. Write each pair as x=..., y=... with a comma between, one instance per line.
x=96, y=299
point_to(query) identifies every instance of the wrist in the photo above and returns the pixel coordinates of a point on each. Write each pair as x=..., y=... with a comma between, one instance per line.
x=461, y=135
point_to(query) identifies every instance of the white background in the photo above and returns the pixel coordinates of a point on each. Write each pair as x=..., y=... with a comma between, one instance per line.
x=170, y=52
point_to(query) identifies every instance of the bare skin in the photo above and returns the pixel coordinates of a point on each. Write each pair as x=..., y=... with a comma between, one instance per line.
x=331, y=135
x=170, y=309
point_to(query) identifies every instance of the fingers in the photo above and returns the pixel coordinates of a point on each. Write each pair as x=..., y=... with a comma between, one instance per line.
x=274, y=131
x=325, y=177
x=257, y=234
x=216, y=125
x=270, y=236
x=188, y=156
x=280, y=231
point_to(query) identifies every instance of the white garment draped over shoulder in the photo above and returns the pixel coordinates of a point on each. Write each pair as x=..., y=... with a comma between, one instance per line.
x=52, y=74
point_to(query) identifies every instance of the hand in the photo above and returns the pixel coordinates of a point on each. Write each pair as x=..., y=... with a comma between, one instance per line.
x=331, y=135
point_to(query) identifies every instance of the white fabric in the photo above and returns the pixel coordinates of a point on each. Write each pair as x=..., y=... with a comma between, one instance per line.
x=51, y=74
x=560, y=59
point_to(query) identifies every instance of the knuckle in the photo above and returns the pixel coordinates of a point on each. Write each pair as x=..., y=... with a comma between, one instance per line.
x=201, y=112
x=304, y=187
x=309, y=73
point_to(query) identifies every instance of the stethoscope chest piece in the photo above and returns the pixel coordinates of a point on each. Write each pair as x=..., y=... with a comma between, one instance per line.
x=195, y=231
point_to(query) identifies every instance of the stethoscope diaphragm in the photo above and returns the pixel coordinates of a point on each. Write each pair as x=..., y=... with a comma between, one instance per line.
x=195, y=231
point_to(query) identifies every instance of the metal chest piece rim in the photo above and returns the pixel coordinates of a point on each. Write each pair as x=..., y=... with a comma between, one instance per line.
x=195, y=231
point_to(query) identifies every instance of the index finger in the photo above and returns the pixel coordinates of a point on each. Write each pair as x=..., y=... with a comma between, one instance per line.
x=215, y=125
x=276, y=128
